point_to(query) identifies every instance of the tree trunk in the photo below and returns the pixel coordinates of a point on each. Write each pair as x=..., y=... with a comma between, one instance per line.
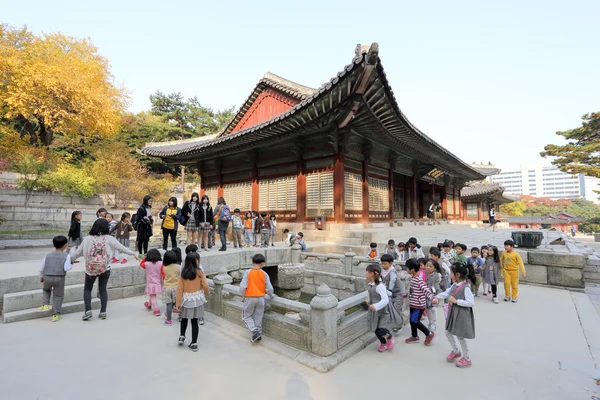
x=46, y=133
x=27, y=127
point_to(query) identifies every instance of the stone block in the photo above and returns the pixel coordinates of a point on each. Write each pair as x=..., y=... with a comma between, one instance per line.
x=567, y=260
x=335, y=281
x=591, y=275
x=133, y=291
x=344, y=294
x=33, y=298
x=593, y=260
x=310, y=289
x=308, y=273
x=309, y=281
x=537, y=274
x=591, y=268
x=566, y=277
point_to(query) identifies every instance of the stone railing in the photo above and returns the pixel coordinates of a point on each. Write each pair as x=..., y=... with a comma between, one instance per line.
x=321, y=328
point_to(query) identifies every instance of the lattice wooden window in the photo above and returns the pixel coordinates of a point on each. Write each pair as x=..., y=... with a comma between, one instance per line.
x=277, y=194
x=211, y=192
x=238, y=195
x=319, y=193
x=450, y=204
x=472, y=210
x=353, y=191
x=378, y=195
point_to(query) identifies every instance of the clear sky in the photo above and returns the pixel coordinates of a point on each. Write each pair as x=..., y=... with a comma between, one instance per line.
x=491, y=81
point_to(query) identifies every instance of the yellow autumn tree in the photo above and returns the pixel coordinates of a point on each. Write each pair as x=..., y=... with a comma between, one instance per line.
x=55, y=84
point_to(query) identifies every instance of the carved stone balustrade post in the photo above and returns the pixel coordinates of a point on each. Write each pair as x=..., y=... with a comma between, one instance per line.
x=220, y=280
x=296, y=251
x=348, y=262
x=323, y=322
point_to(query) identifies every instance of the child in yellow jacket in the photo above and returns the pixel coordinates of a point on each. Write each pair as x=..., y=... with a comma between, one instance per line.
x=511, y=262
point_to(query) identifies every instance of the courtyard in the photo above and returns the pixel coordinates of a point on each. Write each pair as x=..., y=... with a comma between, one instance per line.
x=545, y=347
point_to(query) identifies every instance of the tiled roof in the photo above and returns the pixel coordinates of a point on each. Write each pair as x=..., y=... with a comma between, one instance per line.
x=269, y=80
x=330, y=100
x=487, y=170
x=481, y=189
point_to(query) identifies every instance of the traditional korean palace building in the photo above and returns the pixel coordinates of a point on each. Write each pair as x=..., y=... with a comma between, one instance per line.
x=344, y=151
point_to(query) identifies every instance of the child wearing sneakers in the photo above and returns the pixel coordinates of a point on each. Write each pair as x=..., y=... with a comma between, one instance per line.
x=154, y=276
x=460, y=321
x=490, y=272
x=192, y=291
x=395, y=286
x=248, y=230
x=511, y=262
x=418, y=295
x=170, y=274
x=255, y=286
x=381, y=318
x=434, y=278
x=53, y=274
x=236, y=229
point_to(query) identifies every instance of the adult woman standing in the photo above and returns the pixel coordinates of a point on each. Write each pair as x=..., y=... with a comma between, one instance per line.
x=190, y=211
x=143, y=224
x=98, y=249
x=205, y=219
x=171, y=215
x=222, y=218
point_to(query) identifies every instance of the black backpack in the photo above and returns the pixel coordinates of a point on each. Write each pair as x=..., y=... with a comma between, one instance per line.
x=134, y=222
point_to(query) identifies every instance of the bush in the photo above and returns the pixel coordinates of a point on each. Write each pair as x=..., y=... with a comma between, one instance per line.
x=70, y=180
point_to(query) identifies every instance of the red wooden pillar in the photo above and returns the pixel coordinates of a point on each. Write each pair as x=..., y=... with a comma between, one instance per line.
x=365, y=191
x=432, y=198
x=300, y=192
x=413, y=199
x=338, y=189
x=255, y=187
x=391, y=193
x=479, y=207
x=444, y=205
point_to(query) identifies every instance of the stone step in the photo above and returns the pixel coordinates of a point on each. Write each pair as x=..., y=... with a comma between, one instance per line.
x=350, y=241
x=591, y=268
x=591, y=276
x=33, y=298
x=33, y=313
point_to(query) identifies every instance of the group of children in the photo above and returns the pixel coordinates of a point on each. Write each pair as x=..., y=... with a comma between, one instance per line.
x=121, y=230
x=257, y=229
x=184, y=289
x=446, y=275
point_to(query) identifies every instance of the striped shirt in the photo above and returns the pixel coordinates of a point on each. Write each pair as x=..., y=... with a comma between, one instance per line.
x=419, y=292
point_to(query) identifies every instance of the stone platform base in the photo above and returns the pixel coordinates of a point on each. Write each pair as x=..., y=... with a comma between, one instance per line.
x=321, y=364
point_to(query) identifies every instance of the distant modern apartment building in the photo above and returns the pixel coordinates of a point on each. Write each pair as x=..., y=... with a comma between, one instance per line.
x=548, y=181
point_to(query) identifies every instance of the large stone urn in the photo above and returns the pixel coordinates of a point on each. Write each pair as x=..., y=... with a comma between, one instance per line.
x=290, y=278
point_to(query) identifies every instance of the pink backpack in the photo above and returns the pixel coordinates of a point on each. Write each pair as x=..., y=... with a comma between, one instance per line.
x=97, y=258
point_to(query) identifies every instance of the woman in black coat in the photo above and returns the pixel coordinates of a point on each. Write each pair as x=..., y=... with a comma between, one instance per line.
x=143, y=225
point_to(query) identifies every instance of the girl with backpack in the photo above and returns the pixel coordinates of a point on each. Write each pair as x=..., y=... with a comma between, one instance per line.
x=98, y=248
x=171, y=215
x=143, y=225
x=222, y=218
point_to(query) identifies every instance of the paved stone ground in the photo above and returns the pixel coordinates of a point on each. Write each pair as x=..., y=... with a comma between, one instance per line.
x=522, y=351
x=545, y=347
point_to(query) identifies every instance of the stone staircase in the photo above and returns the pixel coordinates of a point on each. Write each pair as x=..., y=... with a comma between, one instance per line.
x=591, y=270
x=22, y=296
